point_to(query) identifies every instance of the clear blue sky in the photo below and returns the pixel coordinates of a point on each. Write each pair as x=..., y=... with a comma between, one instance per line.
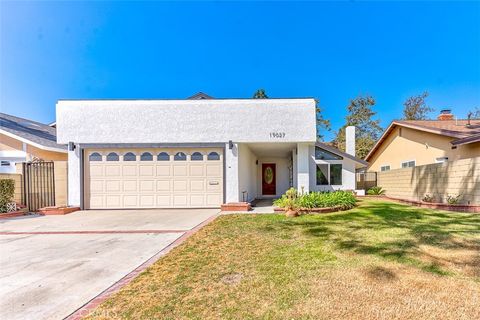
x=332, y=51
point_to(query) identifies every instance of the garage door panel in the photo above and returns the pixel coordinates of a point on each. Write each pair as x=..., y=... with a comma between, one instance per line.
x=130, y=201
x=161, y=182
x=146, y=171
x=113, y=201
x=113, y=171
x=147, y=185
x=130, y=185
x=164, y=185
x=96, y=171
x=112, y=186
x=129, y=170
x=163, y=170
x=214, y=170
x=180, y=171
x=197, y=170
x=96, y=186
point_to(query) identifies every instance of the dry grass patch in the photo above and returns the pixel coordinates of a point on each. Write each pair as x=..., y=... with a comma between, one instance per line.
x=381, y=260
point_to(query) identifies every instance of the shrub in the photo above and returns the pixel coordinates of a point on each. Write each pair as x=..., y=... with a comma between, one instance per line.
x=453, y=199
x=343, y=200
x=7, y=190
x=375, y=191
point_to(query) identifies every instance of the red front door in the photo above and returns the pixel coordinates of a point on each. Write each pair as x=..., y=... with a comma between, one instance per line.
x=269, y=178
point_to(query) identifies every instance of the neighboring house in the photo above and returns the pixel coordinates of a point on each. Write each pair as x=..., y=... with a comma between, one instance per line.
x=409, y=143
x=198, y=152
x=25, y=140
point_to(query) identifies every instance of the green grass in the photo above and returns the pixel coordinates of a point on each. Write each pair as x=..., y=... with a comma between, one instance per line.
x=405, y=261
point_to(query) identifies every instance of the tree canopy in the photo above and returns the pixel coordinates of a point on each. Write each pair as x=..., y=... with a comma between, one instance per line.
x=260, y=94
x=415, y=107
x=322, y=123
x=360, y=114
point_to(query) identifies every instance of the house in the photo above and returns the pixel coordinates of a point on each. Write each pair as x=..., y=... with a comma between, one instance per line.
x=197, y=152
x=410, y=143
x=24, y=140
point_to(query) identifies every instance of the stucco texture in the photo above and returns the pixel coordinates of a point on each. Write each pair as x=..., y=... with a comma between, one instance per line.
x=405, y=144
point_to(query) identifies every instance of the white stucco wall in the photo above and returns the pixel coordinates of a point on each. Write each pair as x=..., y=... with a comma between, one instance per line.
x=231, y=174
x=348, y=173
x=282, y=179
x=73, y=173
x=186, y=121
x=247, y=172
x=303, y=166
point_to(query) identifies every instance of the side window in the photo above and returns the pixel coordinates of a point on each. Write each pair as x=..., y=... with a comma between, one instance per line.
x=196, y=156
x=146, y=156
x=213, y=156
x=163, y=156
x=322, y=174
x=385, y=168
x=180, y=156
x=408, y=164
x=129, y=156
x=95, y=157
x=335, y=174
x=112, y=156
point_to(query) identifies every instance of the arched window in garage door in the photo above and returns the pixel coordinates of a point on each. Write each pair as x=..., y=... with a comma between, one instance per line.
x=112, y=156
x=129, y=156
x=163, y=156
x=180, y=156
x=95, y=157
x=213, y=156
x=146, y=156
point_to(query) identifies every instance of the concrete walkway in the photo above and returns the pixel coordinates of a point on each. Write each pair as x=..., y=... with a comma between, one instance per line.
x=52, y=265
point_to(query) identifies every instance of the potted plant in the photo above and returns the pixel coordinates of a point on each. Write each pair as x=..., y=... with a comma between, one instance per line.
x=290, y=204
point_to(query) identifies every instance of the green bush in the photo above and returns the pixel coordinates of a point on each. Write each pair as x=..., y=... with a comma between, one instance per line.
x=7, y=190
x=343, y=200
x=375, y=191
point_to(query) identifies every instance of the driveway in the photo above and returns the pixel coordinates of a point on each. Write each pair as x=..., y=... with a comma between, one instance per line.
x=52, y=265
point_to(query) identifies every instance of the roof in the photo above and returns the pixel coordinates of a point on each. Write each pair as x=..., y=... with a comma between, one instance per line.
x=464, y=131
x=200, y=96
x=31, y=132
x=339, y=152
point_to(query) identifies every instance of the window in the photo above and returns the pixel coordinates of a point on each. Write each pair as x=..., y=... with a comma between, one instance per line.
x=335, y=174
x=163, y=156
x=196, y=156
x=385, y=168
x=112, y=156
x=213, y=156
x=146, y=156
x=408, y=164
x=95, y=157
x=322, y=174
x=129, y=156
x=5, y=163
x=180, y=156
x=321, y=154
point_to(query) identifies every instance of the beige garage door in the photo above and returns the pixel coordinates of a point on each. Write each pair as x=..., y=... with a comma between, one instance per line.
x=153, y=178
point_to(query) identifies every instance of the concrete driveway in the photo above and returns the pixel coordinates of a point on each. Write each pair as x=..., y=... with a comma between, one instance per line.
x=52, y=265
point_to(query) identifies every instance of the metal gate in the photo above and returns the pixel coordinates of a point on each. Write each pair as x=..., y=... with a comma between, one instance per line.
x=366, y=180
x=38, y=184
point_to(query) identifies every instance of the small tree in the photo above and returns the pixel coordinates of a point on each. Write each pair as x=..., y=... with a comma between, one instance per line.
x=322, y=123
x=415, y=108
x=7, y=191
x=260, y=94
x=474, y=114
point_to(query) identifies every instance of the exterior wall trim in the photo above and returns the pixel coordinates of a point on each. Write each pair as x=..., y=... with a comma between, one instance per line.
x=34, y=144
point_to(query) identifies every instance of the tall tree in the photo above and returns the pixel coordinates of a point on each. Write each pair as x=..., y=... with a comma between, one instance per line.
x=415, y=107
x=360, y=114
x=260, y=94
x=474, y=114
x=322, y=123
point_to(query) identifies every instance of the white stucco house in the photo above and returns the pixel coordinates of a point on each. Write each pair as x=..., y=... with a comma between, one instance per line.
x=198, y=152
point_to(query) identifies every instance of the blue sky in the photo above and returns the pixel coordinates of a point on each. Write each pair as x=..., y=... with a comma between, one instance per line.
x=332, y=51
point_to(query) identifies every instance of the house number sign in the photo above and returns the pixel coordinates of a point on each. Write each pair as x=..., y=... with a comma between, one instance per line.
x=277, y=135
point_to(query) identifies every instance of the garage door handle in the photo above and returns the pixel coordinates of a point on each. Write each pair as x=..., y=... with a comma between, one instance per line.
x=213, y=183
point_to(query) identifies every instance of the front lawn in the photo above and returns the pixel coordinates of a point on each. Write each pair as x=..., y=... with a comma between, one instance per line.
x=381, y=260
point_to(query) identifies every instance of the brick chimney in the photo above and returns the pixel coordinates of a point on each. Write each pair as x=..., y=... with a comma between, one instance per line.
x=445, y=114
